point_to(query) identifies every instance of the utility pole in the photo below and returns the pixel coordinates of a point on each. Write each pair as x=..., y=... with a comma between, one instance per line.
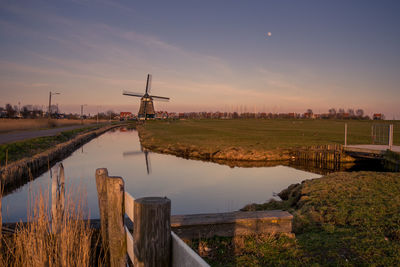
x=82, y=113
x=50, y=94
x=98, y=114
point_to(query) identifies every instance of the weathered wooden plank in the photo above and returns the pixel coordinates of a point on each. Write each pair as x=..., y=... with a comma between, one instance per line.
x=111, y=204
x=231, y=224
x=129, y=201
x=152, y=232
x=183, y=255
x=129, y=243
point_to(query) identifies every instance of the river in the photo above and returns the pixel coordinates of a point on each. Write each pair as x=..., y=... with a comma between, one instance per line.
x=193, y=186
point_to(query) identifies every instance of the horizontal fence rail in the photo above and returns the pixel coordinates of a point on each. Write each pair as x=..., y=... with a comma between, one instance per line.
x=183, y=255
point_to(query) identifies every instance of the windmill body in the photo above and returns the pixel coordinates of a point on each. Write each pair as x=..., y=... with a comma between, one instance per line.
x=146, y=110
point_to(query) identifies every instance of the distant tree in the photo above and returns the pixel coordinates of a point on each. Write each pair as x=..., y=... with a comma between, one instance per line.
x=332, y=112
x=309, y=111
x=10, y=111
x=341, y=111
x=351, y=112
x=25, y=112
x=360, y=113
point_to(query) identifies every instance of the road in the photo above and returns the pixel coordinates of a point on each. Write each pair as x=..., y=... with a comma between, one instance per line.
x=22, y=135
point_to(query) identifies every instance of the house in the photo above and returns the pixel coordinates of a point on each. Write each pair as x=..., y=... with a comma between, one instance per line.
x=125, y=116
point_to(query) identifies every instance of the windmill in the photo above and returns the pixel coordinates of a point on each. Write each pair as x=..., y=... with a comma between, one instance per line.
x=146, y=157
x=146, y=110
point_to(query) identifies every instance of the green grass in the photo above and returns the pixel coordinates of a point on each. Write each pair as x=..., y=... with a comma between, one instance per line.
x=260, y=134
x=343, y=219
x=28, y=148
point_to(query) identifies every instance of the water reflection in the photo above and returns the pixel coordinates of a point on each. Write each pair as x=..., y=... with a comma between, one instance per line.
x=193, y=186
x=144, y=152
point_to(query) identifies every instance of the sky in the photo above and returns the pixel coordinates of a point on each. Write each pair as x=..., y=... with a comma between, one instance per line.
x=204, y=55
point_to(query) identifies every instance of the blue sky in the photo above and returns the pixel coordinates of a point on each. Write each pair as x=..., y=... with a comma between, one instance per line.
x=205, y=55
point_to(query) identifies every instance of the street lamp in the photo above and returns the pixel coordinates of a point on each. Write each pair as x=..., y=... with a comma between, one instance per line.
x=82, y=112
x=50, y=94
x=98, y=114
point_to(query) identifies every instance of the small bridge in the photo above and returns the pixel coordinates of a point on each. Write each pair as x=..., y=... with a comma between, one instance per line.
x=370, y=151
x=382, y=147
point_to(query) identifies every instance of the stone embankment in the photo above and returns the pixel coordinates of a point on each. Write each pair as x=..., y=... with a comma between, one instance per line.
x=19, y=172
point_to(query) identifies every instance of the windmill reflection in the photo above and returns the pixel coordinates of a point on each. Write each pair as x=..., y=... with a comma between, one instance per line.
x=136, y=153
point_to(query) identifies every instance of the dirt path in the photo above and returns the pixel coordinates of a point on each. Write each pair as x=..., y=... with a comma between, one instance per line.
x=22, y=135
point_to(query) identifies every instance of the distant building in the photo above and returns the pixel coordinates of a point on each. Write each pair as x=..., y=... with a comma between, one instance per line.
x=125, y=115
x=161, y=115
x=308, y=115
x=377, y=116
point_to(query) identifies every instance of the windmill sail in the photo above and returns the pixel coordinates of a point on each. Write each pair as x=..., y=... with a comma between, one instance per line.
x=148, y=84
x=155, y=97
x=132, y=93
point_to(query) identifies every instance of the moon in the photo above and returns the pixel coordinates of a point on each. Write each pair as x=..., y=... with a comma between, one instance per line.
x=269, y=34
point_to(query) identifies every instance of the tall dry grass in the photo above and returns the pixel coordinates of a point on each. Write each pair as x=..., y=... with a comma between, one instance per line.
x=36, y=244
x=8, y=125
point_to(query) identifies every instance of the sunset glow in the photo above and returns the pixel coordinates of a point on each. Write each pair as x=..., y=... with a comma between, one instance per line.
x=205, y=56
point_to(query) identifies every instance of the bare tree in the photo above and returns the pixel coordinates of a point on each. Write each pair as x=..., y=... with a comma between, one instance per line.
x=360, y=113
x=10, y=111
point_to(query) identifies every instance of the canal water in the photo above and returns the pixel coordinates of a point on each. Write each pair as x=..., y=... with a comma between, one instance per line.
x=193, y=186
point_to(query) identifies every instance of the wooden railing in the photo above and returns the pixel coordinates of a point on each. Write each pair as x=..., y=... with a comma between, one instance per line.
x=152, y=242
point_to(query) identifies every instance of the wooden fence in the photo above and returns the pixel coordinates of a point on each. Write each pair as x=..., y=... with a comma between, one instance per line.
x=152, y=243
x=322, y=154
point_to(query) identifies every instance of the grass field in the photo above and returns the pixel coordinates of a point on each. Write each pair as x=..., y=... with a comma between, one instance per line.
x=261, y=134
x=343, y=219
x=9, y=125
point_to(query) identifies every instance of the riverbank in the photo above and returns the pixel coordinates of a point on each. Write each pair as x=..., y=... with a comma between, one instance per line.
x=29, y=158
x=349, y=219
x=251, y=140
x=12, y=125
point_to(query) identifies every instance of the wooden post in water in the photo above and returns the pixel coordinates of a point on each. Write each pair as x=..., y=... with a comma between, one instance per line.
x=345, y=134
x=57, y=197
x=390, y=136
x=152, y=232
x=110, y=191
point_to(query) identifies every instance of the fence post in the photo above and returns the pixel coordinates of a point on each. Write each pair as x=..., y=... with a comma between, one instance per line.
x=110, y=191
x=152, y=232
x=345, y=134
x=390, y=136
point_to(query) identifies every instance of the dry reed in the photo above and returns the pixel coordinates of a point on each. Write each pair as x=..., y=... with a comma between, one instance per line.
x=35, y=244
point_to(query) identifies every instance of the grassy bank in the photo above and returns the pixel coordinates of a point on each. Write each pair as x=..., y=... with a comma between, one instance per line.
x=251, y=139
x=9, y=125
x=345, y=219
x=27, y=148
